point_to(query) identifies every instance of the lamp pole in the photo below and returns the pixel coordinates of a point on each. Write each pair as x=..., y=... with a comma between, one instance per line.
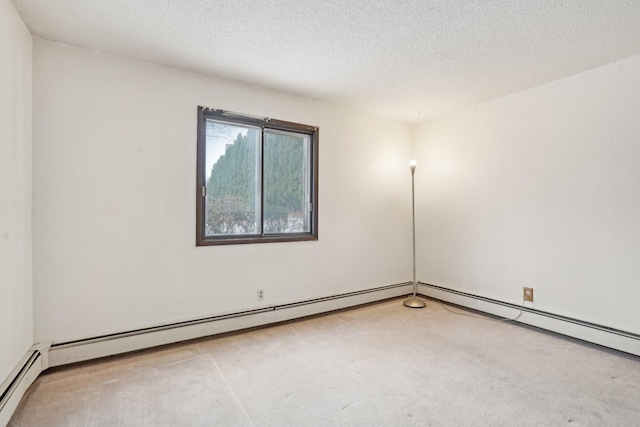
x=413, y=302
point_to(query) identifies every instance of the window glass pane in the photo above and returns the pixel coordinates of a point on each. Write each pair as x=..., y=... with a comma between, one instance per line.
x=286, y=182
x=232, y=168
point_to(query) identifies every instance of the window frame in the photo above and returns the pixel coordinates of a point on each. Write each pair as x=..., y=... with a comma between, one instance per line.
x=265, y=123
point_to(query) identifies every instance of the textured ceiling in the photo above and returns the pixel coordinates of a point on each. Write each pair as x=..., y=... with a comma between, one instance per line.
x=409, y=60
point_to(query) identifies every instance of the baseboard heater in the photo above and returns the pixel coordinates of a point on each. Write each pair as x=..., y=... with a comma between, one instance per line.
x=106, y=345
x=617, y=339
x=15, y=386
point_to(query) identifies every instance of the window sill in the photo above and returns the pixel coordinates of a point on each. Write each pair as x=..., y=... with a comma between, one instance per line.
x=215, y=241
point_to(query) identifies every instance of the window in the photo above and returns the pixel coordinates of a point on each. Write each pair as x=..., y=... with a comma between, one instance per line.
x=257, y=180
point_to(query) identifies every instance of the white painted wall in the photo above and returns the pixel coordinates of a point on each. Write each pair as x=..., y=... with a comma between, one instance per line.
x=541, y=188
x=114, y=200
x=16, y=324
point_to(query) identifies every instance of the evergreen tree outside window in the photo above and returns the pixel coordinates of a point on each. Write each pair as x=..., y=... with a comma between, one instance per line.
x=257, y=180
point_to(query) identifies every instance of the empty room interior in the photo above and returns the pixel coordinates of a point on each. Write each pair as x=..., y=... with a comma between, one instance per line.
x=208, y=213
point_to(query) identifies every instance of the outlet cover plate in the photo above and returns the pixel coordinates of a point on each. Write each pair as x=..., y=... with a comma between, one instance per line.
x=527, y=294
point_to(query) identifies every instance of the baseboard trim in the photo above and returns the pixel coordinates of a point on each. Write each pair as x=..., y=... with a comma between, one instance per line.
x=617, y=339
x=63, y=353
x=24, y=374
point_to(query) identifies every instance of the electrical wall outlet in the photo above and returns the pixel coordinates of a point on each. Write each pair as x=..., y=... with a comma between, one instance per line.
x=260, y=294
x=527, y=294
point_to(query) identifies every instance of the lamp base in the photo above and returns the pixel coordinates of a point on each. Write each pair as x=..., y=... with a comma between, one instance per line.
x=414, y=302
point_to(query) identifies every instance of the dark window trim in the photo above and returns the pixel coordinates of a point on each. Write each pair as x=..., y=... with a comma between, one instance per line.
x=264, y=123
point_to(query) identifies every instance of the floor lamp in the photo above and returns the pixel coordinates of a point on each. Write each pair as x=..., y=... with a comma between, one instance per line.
x=413, y=302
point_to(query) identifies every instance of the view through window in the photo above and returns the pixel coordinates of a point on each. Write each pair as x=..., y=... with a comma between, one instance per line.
x=257, y=179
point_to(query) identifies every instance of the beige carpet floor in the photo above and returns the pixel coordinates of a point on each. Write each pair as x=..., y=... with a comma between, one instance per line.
x=377, y=365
